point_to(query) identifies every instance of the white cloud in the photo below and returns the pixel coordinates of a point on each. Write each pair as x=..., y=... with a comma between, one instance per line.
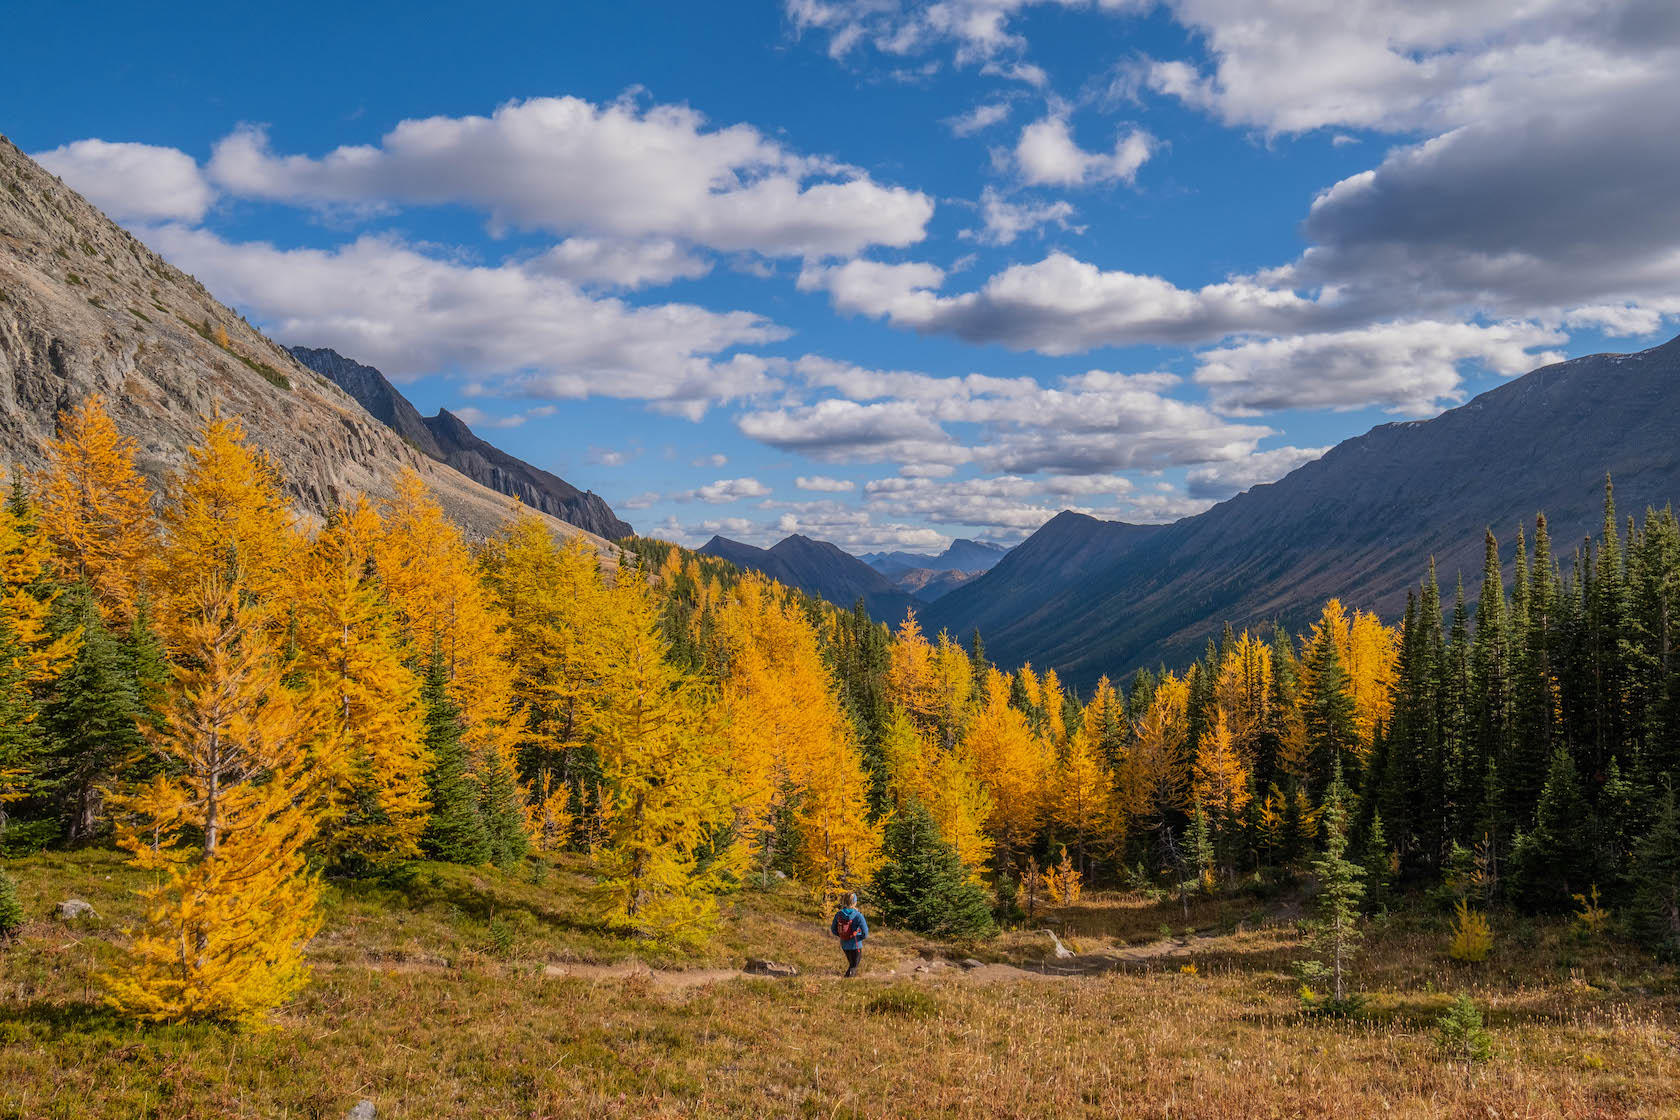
x=1410, y=368
x=610, y=456
x=823, y=484
x=619, y=263
x=411, y=314
x=478, y=418
x=1005, y=220
x=715, y=459
x=568, y=166
x=724, y=490
x=1063, y=305
x=1221, y=480
x=979, y=118
x=978, y=30
x=133, y=182
x=1047, y=155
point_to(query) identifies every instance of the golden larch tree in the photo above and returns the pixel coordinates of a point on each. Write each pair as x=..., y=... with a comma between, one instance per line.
x=224, y=825
x=96, y=510
x=1013, y=764
x=1155, y=777
x=367, y=726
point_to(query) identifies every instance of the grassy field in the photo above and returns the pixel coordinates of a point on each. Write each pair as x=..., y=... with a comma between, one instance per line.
x=454, y=992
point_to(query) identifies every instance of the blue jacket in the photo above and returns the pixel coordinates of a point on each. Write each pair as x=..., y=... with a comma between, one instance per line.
x=855, y=915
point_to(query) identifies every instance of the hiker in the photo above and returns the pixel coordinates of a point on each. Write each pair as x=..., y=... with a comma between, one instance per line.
x=851, y=928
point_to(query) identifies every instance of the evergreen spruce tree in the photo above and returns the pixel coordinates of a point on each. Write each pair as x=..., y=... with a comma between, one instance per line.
x=1335, y=935
x=1553, y=860
x=923, y=885
x=1376, y=861
x=1328, y=710
x=1490, y=687
x=1199, y=841
x=1654, y=916
x=501, y=809
x=92, y=723
x=455, y=832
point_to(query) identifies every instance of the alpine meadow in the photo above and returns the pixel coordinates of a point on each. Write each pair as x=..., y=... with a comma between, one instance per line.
x=985, y=559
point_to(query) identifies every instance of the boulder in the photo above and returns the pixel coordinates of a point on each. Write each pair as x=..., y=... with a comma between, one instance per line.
x=971, y=964
x=73, y=908
x=364, y=1110
x=756, y=966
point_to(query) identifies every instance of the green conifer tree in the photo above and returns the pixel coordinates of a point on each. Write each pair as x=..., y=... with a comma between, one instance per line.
x=1328, y=710
x=20, y=738
x=1654, y=916
x=455, y=832
x=1335, y=936
x=923, y=885
x=501, y=809
x=1553, y=860
x=91, y=724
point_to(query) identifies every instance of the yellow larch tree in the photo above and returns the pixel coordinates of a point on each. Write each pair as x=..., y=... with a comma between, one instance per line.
x=225, y=824
x=1221, y=776
x=944, y=782
x=1012, y=762
x=910, y=680
x=1051, y=701
x=1155, y=777
x=27, y=598
x=1242, y=691
x=1104, y=720
x=1082, y=796
x=367, y=725
x=952, y=679
x=840, y=847
x=96, y=510
x=663, y=772
x=1371, y=660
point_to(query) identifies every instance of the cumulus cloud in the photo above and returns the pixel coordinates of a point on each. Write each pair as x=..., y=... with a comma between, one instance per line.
x=1046, y=155
x=724, y=490
x=412, y=314
x=620, y=264
x=1063, y=305
x=133, y=182
x=842, y=431
x=823, y=484
x=1004, y=221
x=1410, y=368
x=978, y=31
x=1218, y=481
x=568, y=166
x=715, y=459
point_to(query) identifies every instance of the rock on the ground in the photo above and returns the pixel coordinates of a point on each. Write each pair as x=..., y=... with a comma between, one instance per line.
x=364, y=1110
x=971, y=964
x=759, y=967
x=72, y=908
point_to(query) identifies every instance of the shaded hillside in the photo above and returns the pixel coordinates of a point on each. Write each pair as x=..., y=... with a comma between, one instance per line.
x=821, y=569
x=446, y=438
x=963, y=555
x=86, y=308
x=1360, y=523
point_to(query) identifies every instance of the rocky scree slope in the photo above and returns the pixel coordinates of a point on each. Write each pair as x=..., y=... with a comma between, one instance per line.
x=86, y=308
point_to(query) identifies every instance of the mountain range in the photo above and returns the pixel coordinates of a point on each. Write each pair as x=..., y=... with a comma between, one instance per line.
x=86, y=308
x=821, y=569
x=1090, y=597
x=963, y=555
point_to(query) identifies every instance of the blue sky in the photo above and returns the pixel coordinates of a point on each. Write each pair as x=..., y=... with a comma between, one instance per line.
x=886, y=272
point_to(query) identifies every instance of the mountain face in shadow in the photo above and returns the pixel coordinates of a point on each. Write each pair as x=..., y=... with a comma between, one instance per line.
x=446, y=438
x=1088, y=597
x=821, y=569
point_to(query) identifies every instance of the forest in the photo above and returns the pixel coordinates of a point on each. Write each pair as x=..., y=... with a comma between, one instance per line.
x=249, y=707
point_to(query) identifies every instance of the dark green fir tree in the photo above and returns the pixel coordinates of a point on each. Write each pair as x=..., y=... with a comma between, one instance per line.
x=923, y=885
x=92, y=723
x=455, y=832
x=1654, y=916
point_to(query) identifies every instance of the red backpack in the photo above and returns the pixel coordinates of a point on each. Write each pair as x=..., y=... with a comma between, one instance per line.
x=850, y=929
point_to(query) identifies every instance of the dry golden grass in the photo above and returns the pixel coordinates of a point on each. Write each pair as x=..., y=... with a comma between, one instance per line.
x=419, y=1006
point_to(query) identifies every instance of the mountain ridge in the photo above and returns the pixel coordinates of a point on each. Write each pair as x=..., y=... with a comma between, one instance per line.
x=448, y=439
x=1360, y=523
x=818, y=568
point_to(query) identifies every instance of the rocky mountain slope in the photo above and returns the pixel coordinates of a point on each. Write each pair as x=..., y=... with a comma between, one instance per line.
x=963, y=555
x=86, y=308
x=446, y=438
x=821, y=569
x=1360, y=523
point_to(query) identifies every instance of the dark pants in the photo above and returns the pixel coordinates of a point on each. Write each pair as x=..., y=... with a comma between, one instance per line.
x=853, y=958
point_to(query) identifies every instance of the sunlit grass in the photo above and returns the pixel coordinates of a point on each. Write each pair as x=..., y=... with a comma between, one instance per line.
x=416, y=1005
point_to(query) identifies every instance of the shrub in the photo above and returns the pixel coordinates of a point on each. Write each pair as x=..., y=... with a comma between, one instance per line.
x=1460, y=1033
x=1472, y=936
x=1593, y=918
